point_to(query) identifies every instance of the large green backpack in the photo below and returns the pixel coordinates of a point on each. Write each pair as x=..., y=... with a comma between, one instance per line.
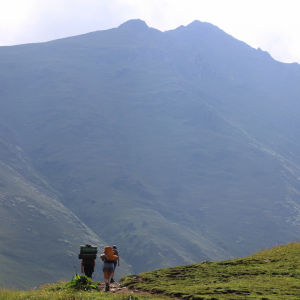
x=88, y=252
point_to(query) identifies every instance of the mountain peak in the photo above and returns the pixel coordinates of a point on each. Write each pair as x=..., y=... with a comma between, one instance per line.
x=136, y=24
x=195, y=25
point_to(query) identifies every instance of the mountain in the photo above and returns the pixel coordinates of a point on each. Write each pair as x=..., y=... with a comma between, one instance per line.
x=178, y=146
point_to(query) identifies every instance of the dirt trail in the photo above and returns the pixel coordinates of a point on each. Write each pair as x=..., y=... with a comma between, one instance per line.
x=114, y=288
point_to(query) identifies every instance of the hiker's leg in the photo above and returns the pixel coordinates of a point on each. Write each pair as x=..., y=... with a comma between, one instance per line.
x=109, y=274
x=89, y=274
x=113, y=273
x=106, y=277
x=88, y=270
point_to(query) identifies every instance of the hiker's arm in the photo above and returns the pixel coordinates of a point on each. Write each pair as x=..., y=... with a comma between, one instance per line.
x=119, y=261
x=82, y=266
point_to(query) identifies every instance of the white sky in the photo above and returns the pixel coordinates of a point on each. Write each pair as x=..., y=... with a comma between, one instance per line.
x=272, y=25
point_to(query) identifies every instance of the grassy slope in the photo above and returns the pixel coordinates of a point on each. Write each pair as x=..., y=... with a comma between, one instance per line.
x=268, y=274
x=58, y=292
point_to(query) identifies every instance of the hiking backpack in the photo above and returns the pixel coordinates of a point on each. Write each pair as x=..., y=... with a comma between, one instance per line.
x=88, y=252
x=110, y=255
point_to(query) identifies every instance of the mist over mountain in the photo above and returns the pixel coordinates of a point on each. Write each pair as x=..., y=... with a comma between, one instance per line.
x=177, y=146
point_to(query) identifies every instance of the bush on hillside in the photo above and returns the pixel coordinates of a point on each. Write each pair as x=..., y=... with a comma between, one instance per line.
x=82, y=282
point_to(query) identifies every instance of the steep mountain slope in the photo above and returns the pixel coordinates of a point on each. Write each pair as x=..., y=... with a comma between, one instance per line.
x=39, y=237
x=178, y=146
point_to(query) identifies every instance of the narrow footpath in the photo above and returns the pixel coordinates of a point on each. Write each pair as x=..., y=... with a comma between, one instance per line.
x=114, y=288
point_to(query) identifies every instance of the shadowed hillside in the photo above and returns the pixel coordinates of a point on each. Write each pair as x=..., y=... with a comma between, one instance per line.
x=177, y=146
x=40, y=238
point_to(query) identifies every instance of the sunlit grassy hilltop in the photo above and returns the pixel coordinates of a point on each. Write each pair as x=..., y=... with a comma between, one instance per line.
x=268, y=274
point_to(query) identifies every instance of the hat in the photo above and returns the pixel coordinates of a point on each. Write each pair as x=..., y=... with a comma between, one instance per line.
x=115, y=247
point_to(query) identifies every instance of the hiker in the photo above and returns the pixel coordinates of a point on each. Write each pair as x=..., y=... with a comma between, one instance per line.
x=108, y=267
x=88, y=266
x=117, y=261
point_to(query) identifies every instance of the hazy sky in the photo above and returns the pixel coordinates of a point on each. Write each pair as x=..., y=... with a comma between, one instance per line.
x=272, y=25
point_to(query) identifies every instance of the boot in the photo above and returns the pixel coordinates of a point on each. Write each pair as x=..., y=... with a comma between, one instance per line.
x=112, y=280
x=107, y=287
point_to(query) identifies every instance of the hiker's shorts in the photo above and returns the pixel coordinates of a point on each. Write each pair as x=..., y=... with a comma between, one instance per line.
x=108, y=267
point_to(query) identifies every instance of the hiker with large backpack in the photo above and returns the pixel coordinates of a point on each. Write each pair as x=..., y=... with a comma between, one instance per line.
x=88, y=254
x=108, y=258
x=88, y=267
x=117, y=261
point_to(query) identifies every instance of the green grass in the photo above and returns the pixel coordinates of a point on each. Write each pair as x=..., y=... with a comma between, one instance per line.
x=59, y=291
x=268, y=274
